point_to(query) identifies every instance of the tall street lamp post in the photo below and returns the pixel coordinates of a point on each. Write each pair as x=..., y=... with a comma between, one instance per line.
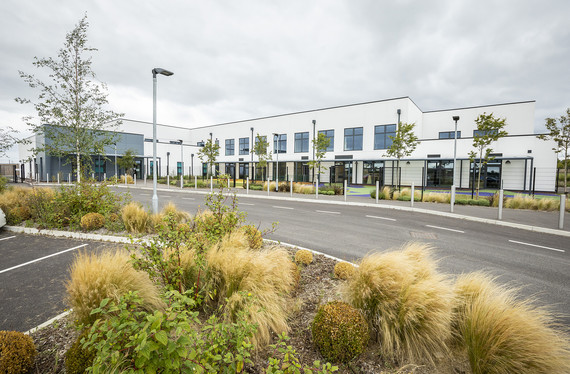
x=276, y=140
x=167, y=73
x=167, y=163
x=455, y=118
x=251, y=151
x=314, y=126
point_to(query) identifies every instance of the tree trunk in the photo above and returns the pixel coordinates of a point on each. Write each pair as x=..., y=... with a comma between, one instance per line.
x=78, y=167
x=479, y=175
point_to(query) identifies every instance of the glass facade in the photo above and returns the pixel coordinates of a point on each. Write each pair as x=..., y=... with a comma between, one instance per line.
x=280, y=143
x=373, y=171
x=301, y=142
x=301, y=173
x=490, y=174
x=353, y=139
x=330, y=135
x=243, y=146
x=440, y=173
x=382, y=135
x=230, y=146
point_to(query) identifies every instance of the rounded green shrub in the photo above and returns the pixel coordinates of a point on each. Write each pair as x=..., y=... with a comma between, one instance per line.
x=304, y=257
x=340, y=331
x=92, y=221
x=17, y=352
x=77, y=358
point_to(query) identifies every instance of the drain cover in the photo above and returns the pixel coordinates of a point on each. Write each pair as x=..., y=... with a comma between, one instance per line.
x=422, y=235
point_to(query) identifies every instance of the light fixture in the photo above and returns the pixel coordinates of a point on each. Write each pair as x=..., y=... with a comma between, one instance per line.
x=508, y=162
x=167, y=73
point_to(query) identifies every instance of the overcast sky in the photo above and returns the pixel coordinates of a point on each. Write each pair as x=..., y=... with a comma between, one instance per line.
x=235, y=60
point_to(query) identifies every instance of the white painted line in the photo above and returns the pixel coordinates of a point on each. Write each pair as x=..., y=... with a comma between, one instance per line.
x=49, y=322
x=282, y=207
x=188, y=198
x=327, y=211
x=166, y=196
x=385, y=218
x=246, y=204
x=42, y=258
x=445, y=228
x=538, y=246
x=9, y=237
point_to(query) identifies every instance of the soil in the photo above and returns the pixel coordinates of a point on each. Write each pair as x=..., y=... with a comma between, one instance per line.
x=317, y=286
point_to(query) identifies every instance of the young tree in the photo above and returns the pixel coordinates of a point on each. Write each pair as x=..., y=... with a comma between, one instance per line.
x=7, y=140
x=559, y=131
x=260, y=150
x=489, y=130
x=209, y=152
x=320, y=143
x=72, y=104
x=127, y=161
x=403, y=143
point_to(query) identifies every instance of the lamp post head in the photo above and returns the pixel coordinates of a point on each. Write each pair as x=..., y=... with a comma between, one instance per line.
x=456, y=118
x=314, y=122
x=168, y=153
x=399, y=111
x=165, y=72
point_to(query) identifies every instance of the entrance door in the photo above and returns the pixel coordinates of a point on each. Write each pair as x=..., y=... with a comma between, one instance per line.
x=490, y=174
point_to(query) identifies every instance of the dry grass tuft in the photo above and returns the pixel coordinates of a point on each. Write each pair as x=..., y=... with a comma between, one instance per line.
x=434, y=197
x=94, y=277
x=179, y=216
x=387, y=192
x=13, y=198
x=136, y=218
x=252, y=281
x=504, y=335
x=406, y=301
x=303, y=188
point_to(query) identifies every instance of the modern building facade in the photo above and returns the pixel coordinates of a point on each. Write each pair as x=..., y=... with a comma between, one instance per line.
x=359, y=137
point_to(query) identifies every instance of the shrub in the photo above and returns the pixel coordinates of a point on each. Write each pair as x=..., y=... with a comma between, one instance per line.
x=503, y=334
x=94, y=277
x=284, y=187
x=135, y=218
x=435, y=197
x=256, y=282
x=44, y=208
x=171, y=341
x=130, y=179
x=406, y=301
x=3, y=183
x=303, y=188
x=304, y=257
x=18, y=214
x=77, y=357
x=343, y=270
x=17, y=352
x=254, y=236
x=92, y=221
x=288, y=363
x=339, y=331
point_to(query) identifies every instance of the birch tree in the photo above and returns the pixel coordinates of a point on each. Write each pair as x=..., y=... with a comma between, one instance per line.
x=70, y=108
x=559, y=131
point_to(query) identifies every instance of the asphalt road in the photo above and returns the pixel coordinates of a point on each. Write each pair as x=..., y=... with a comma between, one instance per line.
x=33, y=271
x=537, y=263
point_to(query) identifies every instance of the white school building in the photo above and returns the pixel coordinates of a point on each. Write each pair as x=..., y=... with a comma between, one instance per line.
x=359, y=136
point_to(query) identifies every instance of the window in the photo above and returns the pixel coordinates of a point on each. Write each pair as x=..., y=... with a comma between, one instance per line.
x=353, y=139
x=179, y=168
x=382, y=135
x=479, y=133
x=280, y=143
x=330, y=135
x=301, y=142
x=229, y=147
x=243, y=146
x=449, y=134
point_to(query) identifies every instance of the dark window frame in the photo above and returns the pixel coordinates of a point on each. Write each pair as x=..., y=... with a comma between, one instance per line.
x=280, y=145
x=382, y=138
x=330, y=135
x=243, y=146
x=353, y=138
x=301, y=142
x=230, y=147
x=449, y=134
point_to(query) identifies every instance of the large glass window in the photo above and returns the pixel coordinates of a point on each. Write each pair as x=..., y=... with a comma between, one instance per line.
x=330, y=135
x=440, y=173
x=372, y=172
x=479, y=133
x=449, y=134
x=243, y=146
x=353, y=139
x=382, y=135
x=230, y=146
x=301, y=142
x=280, y=143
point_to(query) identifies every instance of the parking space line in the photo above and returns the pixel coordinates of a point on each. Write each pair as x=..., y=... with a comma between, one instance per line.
x=9, y=237
x=188, y=198
x=282, y=207
x=42, y=258
x=384, y=218
x=246, y=204
x=446, y=229
x=538, y=246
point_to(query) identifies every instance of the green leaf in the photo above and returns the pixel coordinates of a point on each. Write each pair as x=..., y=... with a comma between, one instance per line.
x=161, y=337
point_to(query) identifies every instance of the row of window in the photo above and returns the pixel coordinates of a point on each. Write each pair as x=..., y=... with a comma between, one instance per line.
x=352, y=140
